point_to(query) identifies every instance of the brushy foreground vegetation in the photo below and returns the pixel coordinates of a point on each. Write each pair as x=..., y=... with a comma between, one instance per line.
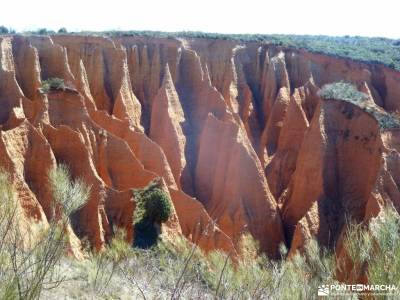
x=175, y=269
x=30, y=266
x=377, y=249
x=368, y=50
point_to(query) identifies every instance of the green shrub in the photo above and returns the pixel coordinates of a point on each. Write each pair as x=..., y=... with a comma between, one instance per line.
x=70, y=194
x=384, y=267
x=348, y=92
x=29, y=266
x=4, y=30
x=152, y=204
x=385, y=120
x=153, y=207
x=342, y=91
x=53, y=83
x=62, y=30
x=43, y=31
x=375, y=250
x=157, y=206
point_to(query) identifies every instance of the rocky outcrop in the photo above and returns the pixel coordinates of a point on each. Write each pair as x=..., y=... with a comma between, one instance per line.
x=197, y=225
x=167, y=119
x=231, y=183
x=341, y=139
x=288, y=142
x=236, y=134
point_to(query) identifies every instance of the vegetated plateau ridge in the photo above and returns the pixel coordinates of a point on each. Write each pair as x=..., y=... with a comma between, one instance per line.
x=238, y=133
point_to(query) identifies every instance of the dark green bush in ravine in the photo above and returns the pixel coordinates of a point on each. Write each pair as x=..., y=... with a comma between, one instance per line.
x=153, y=207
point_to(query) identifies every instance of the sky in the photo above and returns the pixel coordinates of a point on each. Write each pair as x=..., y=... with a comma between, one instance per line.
x=339, y=17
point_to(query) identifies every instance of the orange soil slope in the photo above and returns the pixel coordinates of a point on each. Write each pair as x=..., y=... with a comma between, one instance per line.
x=237, y=134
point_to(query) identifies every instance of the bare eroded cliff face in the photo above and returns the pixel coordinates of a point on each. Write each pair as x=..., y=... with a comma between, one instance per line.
x=236, y=133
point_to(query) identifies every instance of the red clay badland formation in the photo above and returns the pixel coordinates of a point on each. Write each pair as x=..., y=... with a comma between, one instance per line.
x=237, y=132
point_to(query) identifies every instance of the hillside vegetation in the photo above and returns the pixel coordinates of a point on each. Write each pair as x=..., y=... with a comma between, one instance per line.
x=348, y=92
x=368, y=50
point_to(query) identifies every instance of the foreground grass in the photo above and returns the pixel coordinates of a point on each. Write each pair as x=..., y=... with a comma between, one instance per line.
x=181, y=271
x=177, y=269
